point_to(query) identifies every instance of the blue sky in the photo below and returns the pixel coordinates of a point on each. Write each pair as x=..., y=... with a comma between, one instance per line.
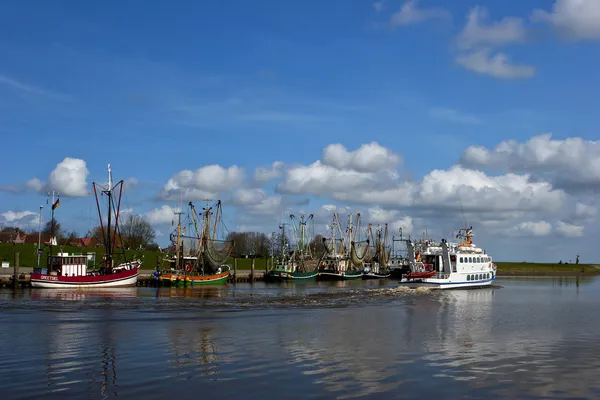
x=155, y=88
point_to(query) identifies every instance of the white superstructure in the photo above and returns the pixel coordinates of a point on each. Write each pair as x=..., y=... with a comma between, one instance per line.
x=449, y=265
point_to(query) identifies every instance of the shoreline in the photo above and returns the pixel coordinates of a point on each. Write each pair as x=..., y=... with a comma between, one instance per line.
x=545, y=273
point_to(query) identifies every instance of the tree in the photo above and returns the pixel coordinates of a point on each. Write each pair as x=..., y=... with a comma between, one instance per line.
x=58, y=231
x=249, y=243
x=137, y=232
x=14, y=229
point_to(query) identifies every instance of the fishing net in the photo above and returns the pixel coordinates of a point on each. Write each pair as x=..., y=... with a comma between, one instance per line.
x=216, y=252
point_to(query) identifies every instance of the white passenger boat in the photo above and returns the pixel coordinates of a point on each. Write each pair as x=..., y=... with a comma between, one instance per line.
x=449, y=265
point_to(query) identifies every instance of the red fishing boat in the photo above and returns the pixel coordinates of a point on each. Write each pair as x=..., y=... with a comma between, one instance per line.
x=71, y=270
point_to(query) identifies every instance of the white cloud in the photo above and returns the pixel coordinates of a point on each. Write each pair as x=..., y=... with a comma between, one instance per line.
x=13, y=216
x=131, y=182
x=477, y=32
x=410, y=14
x=69, y=178
x=35, y=184
x=578, y=19
x=404, y=223
x=478, y=39
x=162, y=215
x=569, y=230
x=449, y=114
x=21, y=219
x=378, y=5
x=585, y=211
x=497, y=65
x=318, y=178
x=257, y=201
x=571, y=163
x=529, y=228
x=371, y=157
x=263, y=175
x=204, y=183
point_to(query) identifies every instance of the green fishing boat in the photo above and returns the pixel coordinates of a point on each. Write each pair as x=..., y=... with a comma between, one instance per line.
x=300, y=264
x=343, y=259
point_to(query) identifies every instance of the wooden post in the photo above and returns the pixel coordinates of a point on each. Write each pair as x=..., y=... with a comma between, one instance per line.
x=252, y=270
x=16, y=271
x=234, y=269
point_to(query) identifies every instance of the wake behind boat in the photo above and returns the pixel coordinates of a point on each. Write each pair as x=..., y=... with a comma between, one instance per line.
x=449, y=265
x=71, y=270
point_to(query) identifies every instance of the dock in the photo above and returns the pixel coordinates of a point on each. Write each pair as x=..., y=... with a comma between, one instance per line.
x=145, y=278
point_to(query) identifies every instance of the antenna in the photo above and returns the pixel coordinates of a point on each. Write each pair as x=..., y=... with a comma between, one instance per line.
x=462, y=211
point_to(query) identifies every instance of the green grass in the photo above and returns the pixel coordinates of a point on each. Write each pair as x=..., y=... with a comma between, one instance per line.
x=545, y=268
x=28, y=256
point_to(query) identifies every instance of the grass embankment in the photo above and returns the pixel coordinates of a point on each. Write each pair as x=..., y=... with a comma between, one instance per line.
x=28, y=256
x=545, y=269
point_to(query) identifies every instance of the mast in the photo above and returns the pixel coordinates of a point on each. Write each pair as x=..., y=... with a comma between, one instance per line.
x=108, y=243
x=39, y=237
x=178, y=244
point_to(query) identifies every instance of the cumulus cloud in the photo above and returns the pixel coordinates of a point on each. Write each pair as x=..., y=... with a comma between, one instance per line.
x=410, y=14
x=371, y=157
x=539, y=228
x=263, y=175
x=572, y=163
x=204, y=183
x=35, y=184
x=577, y=19
x=478, y=32
x=497, y=65
x=257, y=201
x=585, y=211
x=162, y=215
x=478, y=39
x=569, y=230
x=22, y=219
x=69, y=178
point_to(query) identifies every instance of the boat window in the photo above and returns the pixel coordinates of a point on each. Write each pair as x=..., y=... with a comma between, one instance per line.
x=461, y=259
x=470, y=259
x=468, y=277
x=478, y=259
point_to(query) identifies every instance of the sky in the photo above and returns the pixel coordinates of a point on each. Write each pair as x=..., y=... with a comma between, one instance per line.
x=425, y=115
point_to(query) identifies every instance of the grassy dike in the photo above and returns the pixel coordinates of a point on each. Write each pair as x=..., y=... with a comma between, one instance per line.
x=28, y=258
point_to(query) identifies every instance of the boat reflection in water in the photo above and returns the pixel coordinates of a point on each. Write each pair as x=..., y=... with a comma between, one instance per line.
x=193, y=352
x=85, y=294
x=208, y=292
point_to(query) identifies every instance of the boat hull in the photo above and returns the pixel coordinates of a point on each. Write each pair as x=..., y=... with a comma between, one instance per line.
x=117, y=279
x=374, y=275
x=176, y=279
x=279, y=276
x=446, y=284
x=325, y=275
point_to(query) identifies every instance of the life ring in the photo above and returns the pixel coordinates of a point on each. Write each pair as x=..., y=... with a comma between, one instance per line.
x=188, y=268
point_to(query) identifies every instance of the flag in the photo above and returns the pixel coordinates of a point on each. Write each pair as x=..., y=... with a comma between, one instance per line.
x=56, y=204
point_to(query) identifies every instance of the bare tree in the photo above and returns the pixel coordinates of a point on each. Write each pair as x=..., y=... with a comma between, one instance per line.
x=137, y=232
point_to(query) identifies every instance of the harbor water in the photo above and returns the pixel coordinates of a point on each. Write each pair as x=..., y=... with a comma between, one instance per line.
x=529, y=338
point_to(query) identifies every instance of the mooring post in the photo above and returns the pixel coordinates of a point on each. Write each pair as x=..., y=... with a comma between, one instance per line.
x=16, y=271
x=234, y=269
x=266, y=265
x=252, y=270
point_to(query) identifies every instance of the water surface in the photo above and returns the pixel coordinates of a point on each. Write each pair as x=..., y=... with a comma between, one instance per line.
x=532, y=338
